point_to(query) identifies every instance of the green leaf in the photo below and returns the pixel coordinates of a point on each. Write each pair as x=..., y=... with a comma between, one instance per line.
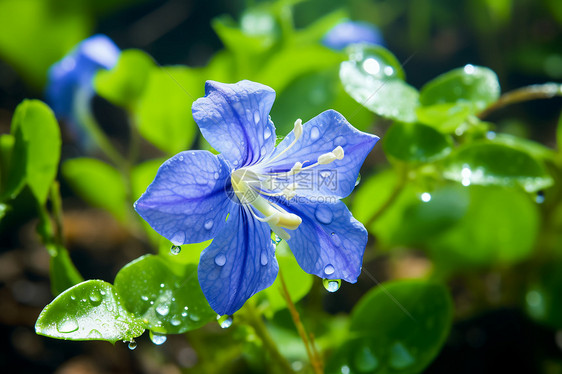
x=297, y=281
x=99, y=184
x=397, y=327
x=486, y=163
x=451, y=97
x=125, y=83
x=3, y=209
x=36, y=151
x=63, y=273
x=168, y=298
x=374, y=78
x=41, y=32
x=415, y=142
x=534, y=149
x=91, y=310
x=500, y=227
x=163, y=113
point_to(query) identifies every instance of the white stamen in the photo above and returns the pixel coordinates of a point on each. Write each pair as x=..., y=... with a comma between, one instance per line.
x=297, y=130
x=338, y=151
x=328, y=158
x=295, y=169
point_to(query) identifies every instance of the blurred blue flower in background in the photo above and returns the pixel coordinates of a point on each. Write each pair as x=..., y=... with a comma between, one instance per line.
x=69, y=86
x=350, y=32
x=252, y=188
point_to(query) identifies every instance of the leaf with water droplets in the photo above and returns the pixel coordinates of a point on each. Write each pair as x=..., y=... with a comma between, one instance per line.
x=415, y=142
x=374, y=78
x=165, y=294
x=91, y=310
x=486, y=163
x=397, y=327
x=449, y=99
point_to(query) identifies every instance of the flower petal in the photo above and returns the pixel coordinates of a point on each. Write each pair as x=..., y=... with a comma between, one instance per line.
x=350, y=32
x=234, y=118
x=321, y=135
x=187, y=202
x=239, y=262
x=329, y=242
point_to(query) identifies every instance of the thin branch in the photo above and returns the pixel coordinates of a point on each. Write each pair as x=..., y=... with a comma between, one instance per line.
x=311, y=351
x=533, y=92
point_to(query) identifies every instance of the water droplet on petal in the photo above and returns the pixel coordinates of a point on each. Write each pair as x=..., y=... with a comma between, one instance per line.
x=314, y=133
x=340, y=141
x=216, y=175
x=220, y=259
x=263, y=259
x=175, y=249
x=157, y=338
x=324, y=214
x=67, y=325
x=331, y=285
x=208, y=224
x=256, y=117
x=224, y=321
x=358, y=180
x=329, y=269
x=132, y=345
x=181, y=158
x=267, y=133
x=335, y=239
x=163, y=309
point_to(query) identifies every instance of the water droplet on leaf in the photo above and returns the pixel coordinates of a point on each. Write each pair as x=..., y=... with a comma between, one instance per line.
x=400, y=357
x=425, y=197
x=175, y=249
x=175, y=322
x=132, y=345
x=365, y=361
x=157, y=338
x=95, y=298
x=163, y=309
x=331, y=285
x=540, y=197
x=144, y=298
x=67, y=325
x=220, y=259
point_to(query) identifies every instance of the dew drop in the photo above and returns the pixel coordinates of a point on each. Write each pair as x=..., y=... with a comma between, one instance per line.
x=94, y=335
x=95, y=298
x=365, y=361
x=163, y=309
x=358, y=180
x=220, y=259
x=267, y=133
x=216, y=175
x=225, y=321
x=175, y=249
x=314, y=133
x=539, y=199
x=256, y=117
x=67, y=325
x=329, y=269
x=184, y=314
x=175, y=322
x=331, y=285
x=277, y=239
x=340, y=141
x=208, y=224
x=181, y=158
x=194, y=317
x=72, y=297
x=323, y=214
x=144, y=298
x=425, y=197
x=335, y=239
x=162, y=285
x=132, y=345
x=263, y=259
x=157, y=338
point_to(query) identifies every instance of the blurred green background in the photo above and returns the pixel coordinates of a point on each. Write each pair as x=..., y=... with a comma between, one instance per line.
x=498, y=250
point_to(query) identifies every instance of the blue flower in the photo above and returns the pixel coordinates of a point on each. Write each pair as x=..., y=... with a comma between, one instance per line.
x=350, y=32
x=70, y=79
x=252, y=188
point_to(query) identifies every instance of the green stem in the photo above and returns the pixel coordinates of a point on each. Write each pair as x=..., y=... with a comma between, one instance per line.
x=255, y=320
x=86, y=118
x=400, y=184
x=56, y=202
x=533, y=92
x=311, y=351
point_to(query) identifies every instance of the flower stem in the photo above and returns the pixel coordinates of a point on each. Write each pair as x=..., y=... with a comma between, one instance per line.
x=400, y=184
x=254, y=319
x=311, y=351
x=533, y=92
